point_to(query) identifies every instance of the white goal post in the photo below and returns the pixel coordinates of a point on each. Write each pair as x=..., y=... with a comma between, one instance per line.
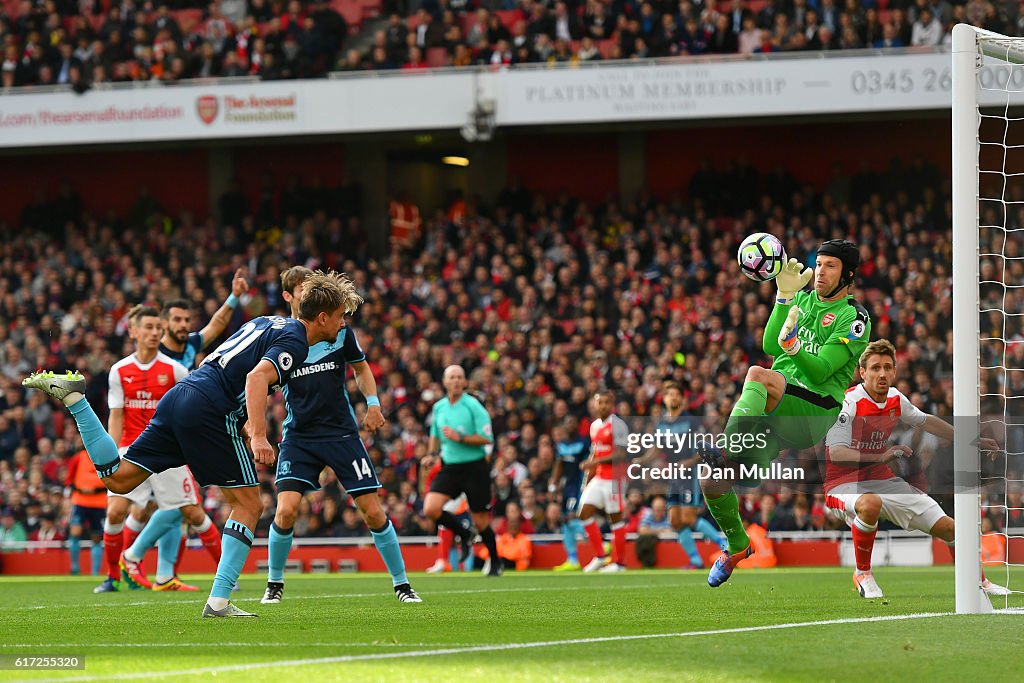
x=972, y=49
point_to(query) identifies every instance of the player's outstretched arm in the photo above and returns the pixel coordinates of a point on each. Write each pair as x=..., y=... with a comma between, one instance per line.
x=219, y=322
x=257, y=386
x=942, y=429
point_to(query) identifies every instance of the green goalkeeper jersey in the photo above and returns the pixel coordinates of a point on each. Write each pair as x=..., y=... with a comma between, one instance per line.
x=832, y=337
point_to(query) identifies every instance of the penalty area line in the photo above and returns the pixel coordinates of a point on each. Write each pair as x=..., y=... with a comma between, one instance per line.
x=488, y=648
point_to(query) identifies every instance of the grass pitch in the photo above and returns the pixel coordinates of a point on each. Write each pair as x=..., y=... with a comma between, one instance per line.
x=784, y=624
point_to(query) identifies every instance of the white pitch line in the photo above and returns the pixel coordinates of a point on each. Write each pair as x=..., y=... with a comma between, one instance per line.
x=525, y=589
x=485, y=648
x=67, y=646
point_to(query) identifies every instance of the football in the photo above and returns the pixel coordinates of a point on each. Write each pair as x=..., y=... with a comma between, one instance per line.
x=761, y=256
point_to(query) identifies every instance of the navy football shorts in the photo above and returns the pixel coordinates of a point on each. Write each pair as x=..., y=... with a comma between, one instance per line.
x=300, y=462
x=186, y=431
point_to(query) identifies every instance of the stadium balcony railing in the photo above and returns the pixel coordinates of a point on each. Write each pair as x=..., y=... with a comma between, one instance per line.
x=488, y=68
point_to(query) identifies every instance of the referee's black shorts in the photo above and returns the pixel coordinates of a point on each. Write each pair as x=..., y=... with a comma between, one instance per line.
x=472, y=478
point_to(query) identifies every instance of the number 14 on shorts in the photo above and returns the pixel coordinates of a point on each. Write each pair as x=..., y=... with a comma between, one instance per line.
x=363, y=469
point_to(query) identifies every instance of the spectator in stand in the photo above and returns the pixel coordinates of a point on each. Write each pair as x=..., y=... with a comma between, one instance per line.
x=890, y=38
x=12, y=533
x=654, y=519
x=515, y=549
x=927, y=29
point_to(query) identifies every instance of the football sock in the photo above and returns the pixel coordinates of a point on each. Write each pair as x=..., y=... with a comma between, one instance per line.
x=748, y=408
x=168, y=546
x=690, y=546
x=491, y=543
x=113, y=544
x=726, y=511
x=74, y=549
x=210, y=537
x=619, y=543
x=594, y=535
x=570, y=542
x=159, y=524
x=863, y=542
x=450, y=521
x=710, y=533
x=101, y=448
x=445, y=536
x=235, y=547
x=390, y=551
x=97, y=557
x=132, y=529
x=277, y=551
x=181, y=552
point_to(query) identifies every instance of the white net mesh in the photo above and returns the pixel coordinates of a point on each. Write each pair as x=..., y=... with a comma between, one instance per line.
x=1001, y=314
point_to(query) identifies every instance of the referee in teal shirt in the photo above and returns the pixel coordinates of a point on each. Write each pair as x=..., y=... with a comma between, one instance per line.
x=461, y=429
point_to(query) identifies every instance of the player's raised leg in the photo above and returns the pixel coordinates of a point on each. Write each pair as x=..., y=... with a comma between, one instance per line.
x=69, y=388
x=762, y=391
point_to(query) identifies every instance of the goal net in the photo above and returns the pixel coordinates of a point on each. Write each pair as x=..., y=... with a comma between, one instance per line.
x=988, y=315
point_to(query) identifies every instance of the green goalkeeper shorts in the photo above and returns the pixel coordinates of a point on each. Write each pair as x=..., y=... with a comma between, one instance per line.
x=800, y=420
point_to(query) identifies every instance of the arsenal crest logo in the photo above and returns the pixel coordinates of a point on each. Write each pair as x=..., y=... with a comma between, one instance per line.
x=162, y=380
x=206, y=107
x=827, y=319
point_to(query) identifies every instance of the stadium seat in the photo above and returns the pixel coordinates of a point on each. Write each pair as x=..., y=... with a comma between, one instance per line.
x=437, y=56
x=352, y=11
x=509, y=17
x=371, y=8
x=188, y=20
x=605, y=47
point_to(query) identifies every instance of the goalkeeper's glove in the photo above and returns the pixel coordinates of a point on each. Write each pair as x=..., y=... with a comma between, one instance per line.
x=789, y=340
x=792, y=279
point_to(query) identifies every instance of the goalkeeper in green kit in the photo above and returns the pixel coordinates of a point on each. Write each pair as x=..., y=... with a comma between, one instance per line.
x=816, y=338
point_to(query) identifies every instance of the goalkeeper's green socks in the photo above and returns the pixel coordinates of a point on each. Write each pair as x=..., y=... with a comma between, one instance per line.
x=726, y=511
x=748, y=409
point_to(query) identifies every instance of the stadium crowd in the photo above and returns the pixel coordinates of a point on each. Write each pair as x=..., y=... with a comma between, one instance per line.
x=543, y=299
x=87, y=44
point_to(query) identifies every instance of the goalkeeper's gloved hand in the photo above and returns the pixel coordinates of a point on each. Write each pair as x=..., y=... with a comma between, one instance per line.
x=789, y=340
x=792, y=279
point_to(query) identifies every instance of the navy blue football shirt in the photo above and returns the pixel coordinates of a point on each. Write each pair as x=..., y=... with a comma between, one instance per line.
x=221, y=377
x=317, y=398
